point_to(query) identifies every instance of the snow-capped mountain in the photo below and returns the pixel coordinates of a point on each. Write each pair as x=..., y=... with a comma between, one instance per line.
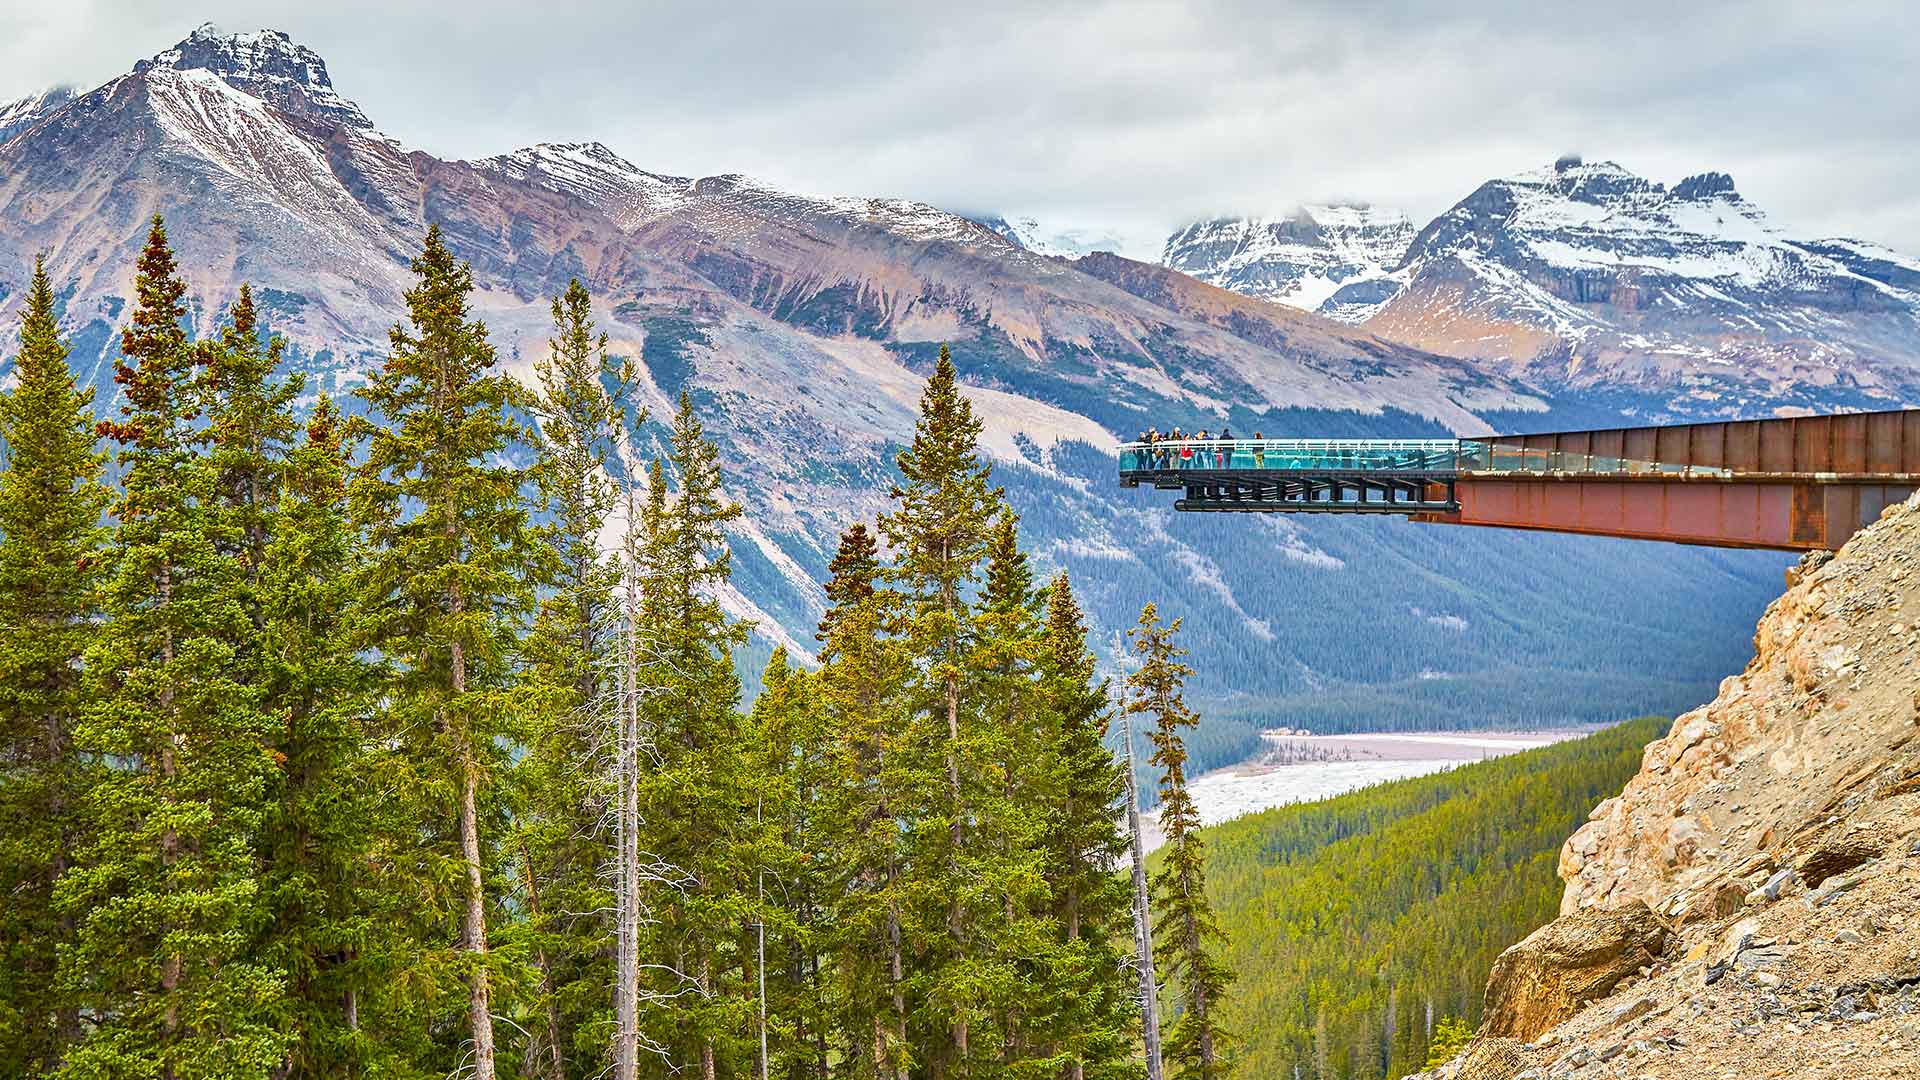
x=17, y=116
x=803, y=327
x=266, y=65
x=1060, y=243
x=1334, y=259
x=1585, y=276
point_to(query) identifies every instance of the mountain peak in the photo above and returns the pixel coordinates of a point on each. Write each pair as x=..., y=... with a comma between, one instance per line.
x=1706, y=185
x=1588, y=181
x=1332, y=257
x=265, y=64
x=18, y=116
x=1046, y=238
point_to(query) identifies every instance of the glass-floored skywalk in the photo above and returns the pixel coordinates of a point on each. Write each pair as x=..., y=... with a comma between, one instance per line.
x=1395, y=476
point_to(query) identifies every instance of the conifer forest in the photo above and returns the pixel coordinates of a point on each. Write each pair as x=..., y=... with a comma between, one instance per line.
x=401, y=736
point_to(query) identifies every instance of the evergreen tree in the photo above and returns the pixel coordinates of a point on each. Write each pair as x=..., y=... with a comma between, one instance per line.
x=560, y=849
x=938, y=530
x=1011, y=804
x=1186, y=928
x=168, y=894
x=695, y=799
x=453, y=568
x=1090, y=1008
x=250, y=427
x=1450, y=1036
x=862, y=694
x=850, y=577
x=51, y=499
x=332, y=916
x=794, y=767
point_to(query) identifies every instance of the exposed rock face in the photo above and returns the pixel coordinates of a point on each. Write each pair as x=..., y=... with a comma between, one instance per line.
x=1769, y=850
x=1565, y=964
x=1820, y=719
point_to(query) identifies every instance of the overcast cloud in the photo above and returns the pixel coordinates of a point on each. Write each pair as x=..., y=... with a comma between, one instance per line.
x=1127, y=116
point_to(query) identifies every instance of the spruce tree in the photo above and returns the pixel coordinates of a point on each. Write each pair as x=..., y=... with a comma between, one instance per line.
x=453, y=569
x=1011, y=805
x=1090, y=1009
x=250, y=427
x=794, y=768
x=862, y=692
x=168, y=894
x=561, y=849
x=1186, y=934
x=332, y=917
x=850, y=577
x=51, y=536
x=943, y=512
x=695, y=800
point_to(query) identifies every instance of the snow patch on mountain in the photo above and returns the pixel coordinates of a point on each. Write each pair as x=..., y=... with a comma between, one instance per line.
x=202, y=114
x=597, y=176
x=1205, y=573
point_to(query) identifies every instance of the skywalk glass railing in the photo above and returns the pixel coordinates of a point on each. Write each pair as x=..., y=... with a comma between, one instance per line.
x=1416, y=456
x=1295, y=455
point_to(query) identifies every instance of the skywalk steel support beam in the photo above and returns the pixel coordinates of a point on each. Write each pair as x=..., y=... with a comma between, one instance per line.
x=1790, y=515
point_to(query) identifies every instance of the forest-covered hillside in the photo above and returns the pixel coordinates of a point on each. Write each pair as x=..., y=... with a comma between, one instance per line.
x=1357, y=923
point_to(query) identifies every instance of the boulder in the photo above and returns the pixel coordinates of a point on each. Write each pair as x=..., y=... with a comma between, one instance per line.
x=1491, y=1059
x=1559, y=968
x=1838, y=853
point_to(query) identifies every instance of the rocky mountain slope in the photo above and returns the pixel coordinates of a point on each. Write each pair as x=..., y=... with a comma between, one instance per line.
x=1584, y=276
x=1749, y=904
x=803, y=327
x=1335, y=259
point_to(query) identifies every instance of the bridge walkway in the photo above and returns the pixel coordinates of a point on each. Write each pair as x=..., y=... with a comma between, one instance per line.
x=1798, y=483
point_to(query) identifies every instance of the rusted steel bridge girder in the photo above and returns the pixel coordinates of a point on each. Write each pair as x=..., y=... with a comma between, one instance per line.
x=1785, y=514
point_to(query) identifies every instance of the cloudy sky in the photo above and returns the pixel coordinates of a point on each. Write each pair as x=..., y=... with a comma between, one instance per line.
x=1129, y=117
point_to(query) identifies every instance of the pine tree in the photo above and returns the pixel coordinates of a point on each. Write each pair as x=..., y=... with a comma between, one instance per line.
x=1089, y=1005
x=168, y=893
x=560, y=848
x=938, y=530
x=51, y=499
x=454, y=565
x=331, y=924
x=1185, y=927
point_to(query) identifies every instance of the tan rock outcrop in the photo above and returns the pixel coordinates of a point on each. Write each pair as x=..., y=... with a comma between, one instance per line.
x=1808, y=725
x=1565, y=964
x=1749, y=904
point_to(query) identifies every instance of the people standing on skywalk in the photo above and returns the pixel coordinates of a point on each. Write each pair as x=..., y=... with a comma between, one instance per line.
x=1222, y=451
x=1259, y=451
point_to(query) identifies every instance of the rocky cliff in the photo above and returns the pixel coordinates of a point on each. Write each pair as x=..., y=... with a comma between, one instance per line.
x=1749, y=904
